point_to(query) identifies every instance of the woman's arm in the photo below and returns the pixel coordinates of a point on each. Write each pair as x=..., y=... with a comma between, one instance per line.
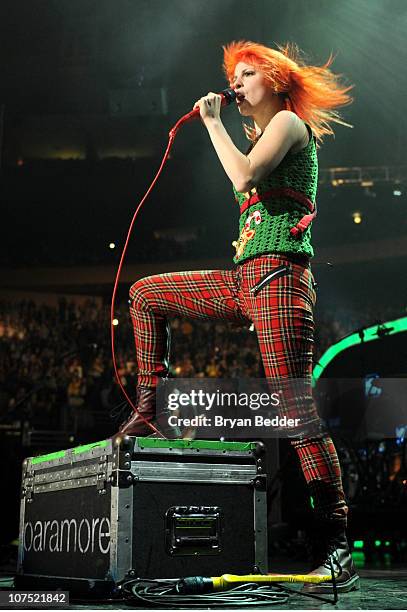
x=283, y=132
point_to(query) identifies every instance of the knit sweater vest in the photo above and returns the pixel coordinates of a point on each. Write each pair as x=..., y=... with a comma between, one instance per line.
x=275, y=214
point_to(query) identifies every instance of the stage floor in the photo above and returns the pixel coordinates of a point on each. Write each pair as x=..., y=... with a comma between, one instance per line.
x=383, y=586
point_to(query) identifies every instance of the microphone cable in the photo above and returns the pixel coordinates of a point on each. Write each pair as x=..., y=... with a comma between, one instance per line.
x=163, y=593
x=226, y=591
x=228, y=95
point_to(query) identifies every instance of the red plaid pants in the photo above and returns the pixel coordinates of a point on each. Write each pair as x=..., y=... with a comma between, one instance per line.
x=276, y=294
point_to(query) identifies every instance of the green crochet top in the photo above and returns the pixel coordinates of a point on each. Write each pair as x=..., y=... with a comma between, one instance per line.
x=275, y=216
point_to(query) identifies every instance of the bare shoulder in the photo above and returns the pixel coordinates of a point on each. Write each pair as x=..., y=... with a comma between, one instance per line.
x=290, y=126
x=288, y=120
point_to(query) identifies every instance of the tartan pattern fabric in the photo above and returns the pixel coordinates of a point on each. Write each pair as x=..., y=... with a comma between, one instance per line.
x=206, y=294
x=282, y=314
x=322, y=472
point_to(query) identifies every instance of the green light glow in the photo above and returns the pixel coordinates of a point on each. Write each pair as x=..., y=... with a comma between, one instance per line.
x=378, y=543
x=358, y=544
x=312, y=502
x=358, y=558
x=370, y=334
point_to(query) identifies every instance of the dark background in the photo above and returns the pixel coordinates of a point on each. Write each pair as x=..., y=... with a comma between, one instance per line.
x=88, y=92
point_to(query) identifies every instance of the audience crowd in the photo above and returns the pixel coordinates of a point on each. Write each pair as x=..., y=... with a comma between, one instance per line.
x=56, y=368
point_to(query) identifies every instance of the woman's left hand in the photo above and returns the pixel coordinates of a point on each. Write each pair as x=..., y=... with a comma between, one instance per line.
x=209, y=106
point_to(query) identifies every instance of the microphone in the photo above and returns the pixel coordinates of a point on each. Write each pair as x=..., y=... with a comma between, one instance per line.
x=228, y=96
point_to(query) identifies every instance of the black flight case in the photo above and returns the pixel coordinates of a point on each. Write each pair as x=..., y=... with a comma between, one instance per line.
x=97, y=515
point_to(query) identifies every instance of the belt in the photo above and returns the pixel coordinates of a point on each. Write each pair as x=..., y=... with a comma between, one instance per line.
x=287, y=192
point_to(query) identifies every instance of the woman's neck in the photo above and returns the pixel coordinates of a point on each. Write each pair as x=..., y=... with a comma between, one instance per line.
x=264, y=115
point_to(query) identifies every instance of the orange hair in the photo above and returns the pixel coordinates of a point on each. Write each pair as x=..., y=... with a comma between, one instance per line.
x=312, y=92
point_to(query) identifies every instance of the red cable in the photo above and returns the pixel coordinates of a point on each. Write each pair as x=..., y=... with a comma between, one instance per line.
x=226, y=99
x=172, y=134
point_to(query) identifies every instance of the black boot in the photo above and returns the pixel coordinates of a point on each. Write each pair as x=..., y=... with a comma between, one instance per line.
x=335, y=553
x=146, y=406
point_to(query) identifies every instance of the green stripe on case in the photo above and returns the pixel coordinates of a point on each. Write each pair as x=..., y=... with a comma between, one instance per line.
x=49, y=457
x=196, y=444
x=86, y=447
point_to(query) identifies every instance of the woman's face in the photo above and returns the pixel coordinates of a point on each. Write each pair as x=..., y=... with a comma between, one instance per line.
x=252, y=92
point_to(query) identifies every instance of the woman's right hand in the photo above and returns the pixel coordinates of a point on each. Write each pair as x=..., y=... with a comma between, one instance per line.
x=209, y=107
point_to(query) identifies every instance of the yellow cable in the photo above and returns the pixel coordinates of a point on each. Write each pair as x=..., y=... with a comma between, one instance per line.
x=228, y=581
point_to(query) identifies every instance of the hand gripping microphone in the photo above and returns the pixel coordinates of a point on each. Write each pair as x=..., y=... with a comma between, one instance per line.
x=228, y=96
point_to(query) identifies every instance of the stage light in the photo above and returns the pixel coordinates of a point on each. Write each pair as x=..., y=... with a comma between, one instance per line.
x=358, y=558
x=115, y=322
x=357, y=217
x=397, y=192
x=112, y=245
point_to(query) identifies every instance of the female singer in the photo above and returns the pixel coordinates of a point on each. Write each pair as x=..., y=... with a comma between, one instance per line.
x=291, y=106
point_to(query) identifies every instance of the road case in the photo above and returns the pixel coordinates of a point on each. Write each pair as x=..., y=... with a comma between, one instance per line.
x=95, y=516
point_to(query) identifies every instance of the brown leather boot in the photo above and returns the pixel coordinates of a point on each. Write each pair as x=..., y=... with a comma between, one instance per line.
x=146, y=406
